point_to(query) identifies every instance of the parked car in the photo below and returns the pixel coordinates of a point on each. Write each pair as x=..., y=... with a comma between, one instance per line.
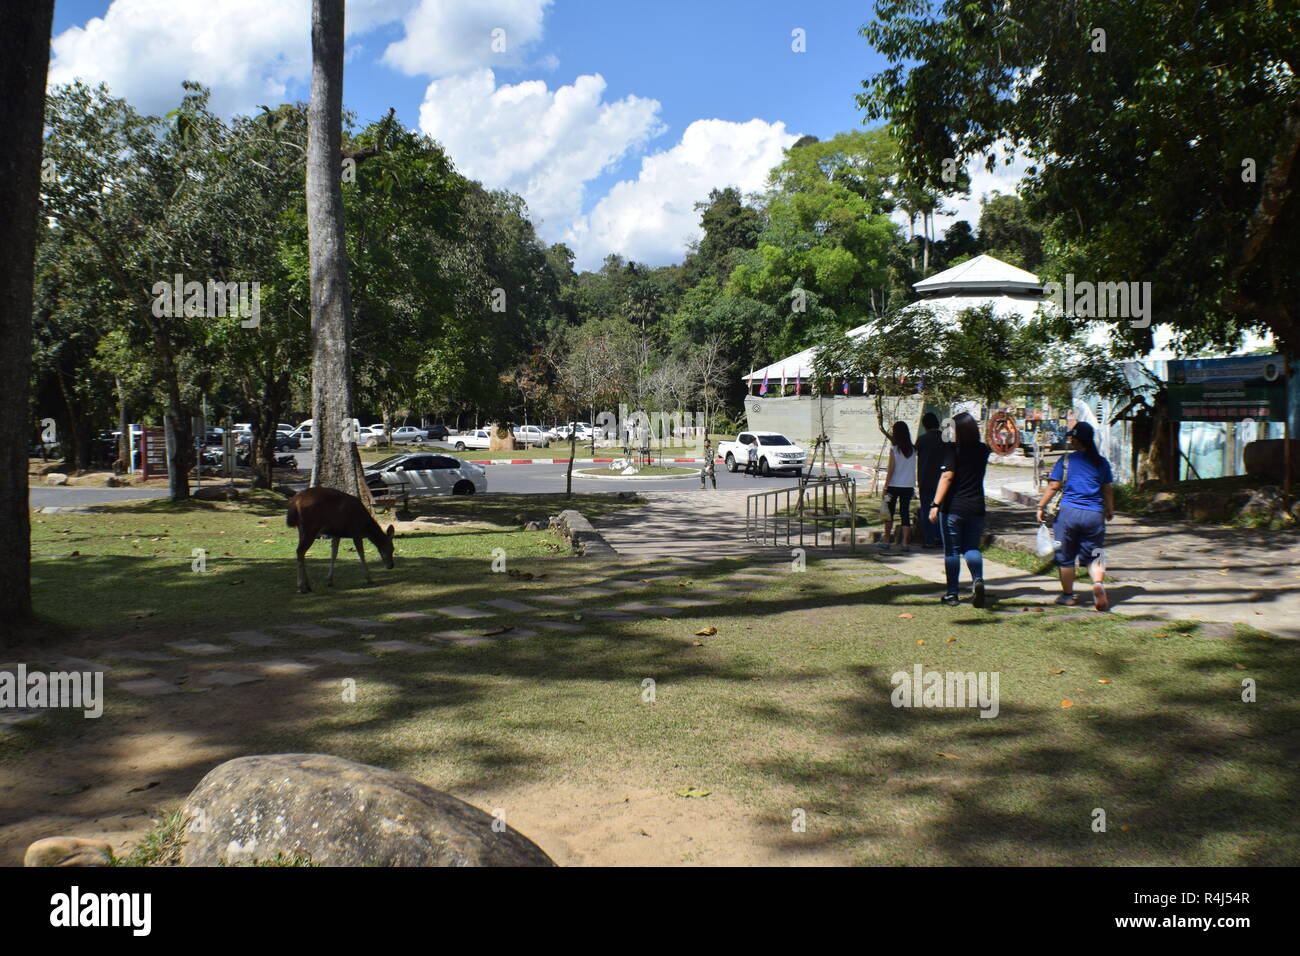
x=303, y=434
x=437, y=433
x=775, y=453
x=408, y=434
x=285, y=441
x=421, y=473
x=532, y=435
x=477, y=438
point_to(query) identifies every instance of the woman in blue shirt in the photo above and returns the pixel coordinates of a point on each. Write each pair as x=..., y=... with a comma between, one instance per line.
x=1084, y=480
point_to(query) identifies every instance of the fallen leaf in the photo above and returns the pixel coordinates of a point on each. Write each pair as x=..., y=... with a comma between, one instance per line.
x=1241, y=667
x=706, y=631
x=1104, y=680
x=905, y=617
x=920, y=642
x=69, y=791
x=1061, y=671
x=697, y=643
x=1066, y=703
x=951, y=640
x=694, y=793
x=499, y=630
x=949, y=756
x=143, y=787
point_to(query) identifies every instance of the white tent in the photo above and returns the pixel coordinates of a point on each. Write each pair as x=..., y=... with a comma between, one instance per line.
x=974, y=283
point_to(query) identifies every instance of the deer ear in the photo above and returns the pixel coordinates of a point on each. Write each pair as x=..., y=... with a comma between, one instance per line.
x=389, y=532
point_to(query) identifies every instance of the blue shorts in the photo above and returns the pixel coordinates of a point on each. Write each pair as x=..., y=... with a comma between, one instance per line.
x=1080, y=536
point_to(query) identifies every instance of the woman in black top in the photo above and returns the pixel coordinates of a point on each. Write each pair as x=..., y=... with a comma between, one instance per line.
x=959, y=508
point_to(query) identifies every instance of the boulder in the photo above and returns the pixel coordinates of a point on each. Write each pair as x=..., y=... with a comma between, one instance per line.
x=533, y=526
x=336, y=812
x=1263, y=502
x=1265, y=459
x=68, y=851
x=56, y=478
x=1164, y=503
x=216, y=493
x=1208, y=505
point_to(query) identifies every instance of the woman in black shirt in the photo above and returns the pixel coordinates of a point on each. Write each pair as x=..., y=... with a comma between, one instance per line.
x=959, y=508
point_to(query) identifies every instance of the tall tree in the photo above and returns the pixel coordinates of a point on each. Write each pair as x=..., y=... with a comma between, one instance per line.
x=24, y=56
x=337, y=464
x=1164, y=137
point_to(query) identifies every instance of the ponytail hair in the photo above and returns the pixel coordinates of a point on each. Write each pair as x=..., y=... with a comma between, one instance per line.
x=1089, y=448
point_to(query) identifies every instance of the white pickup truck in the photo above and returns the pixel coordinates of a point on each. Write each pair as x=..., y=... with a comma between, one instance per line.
x=774, y=451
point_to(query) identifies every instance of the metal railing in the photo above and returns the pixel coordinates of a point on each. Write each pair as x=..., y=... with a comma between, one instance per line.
x=803, y=513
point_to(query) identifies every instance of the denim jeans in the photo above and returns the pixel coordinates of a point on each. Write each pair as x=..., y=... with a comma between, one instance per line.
x=961, y=539
x=929, y=530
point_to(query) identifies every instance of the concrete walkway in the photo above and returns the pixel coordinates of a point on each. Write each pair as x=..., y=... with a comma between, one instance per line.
x=1173, y=570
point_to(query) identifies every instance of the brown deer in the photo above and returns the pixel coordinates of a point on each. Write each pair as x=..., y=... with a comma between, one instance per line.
x=324, y=512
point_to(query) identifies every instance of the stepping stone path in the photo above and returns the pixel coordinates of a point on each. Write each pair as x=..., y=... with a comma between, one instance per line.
x=562, y=599
x=401, y=647
x=657, y=610
x=151, y=656
x=283, y=667
x=506, y=604
x=149, y=687
x=409, y=616
x=312, y=630
x=79, y=664
x=228, y=678
x=199, y=647
x=361, y=622
x=341, y=657
x=1146, y=625
x=460, y=637
x=463, y=613
x=559, y=626
x=690, y=602
x=253, y=638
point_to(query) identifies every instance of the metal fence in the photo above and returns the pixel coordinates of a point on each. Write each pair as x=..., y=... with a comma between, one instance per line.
x=801, y=514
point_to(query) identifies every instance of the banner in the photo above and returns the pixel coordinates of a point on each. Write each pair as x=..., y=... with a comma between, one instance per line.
x=1228, y=389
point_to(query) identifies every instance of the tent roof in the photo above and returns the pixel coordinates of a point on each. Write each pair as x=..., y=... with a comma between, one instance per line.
x=983, y=273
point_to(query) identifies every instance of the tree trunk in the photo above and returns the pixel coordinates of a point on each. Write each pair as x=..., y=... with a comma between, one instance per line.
x=573, y=453
x=123, y=427
x=25, y=45
x=1151, y=435
x=337, y=462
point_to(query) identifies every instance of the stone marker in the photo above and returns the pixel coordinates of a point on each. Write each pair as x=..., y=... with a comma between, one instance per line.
x=68, y=851
x=339, y=813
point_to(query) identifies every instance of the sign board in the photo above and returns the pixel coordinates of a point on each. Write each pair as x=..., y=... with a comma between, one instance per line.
x=1228, y=389
x=153, y=452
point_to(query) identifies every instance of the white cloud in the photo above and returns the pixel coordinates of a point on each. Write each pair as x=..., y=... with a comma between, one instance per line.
x=444, y=37
x=652, y=218
x=544, y=144
x=247, y=51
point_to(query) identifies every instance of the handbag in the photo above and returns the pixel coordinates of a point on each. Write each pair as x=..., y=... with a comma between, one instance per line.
x=1055, y=506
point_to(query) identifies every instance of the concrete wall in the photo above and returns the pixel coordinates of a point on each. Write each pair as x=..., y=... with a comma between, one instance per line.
x=849, y=421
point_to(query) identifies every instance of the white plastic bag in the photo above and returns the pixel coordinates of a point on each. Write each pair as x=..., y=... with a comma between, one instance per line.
x=1045, y=544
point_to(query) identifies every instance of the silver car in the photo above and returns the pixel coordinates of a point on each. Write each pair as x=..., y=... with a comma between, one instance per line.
x=425, y=474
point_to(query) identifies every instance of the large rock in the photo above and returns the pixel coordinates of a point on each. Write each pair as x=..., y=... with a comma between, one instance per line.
x=1164, y=503
x=1265, y=459
x=68, y=851
x=56, y=478
x=1264, y=502
x=339, y=813
x=1208, y=505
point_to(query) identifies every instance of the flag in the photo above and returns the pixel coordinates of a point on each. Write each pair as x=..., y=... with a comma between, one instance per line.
x=846, y=385
x=762, y=389
x=798, y=382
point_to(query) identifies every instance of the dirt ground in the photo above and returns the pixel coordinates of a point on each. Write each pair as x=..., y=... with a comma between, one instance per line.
x=113, y=783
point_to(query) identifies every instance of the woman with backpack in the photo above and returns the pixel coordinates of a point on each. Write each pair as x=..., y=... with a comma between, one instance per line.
x=959, y=508
x=1085, y=482
x=900, y=481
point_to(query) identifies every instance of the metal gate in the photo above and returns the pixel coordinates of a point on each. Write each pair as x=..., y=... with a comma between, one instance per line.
x=801, y=514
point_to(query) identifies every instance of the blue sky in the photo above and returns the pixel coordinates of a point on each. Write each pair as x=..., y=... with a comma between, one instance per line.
x=610, y=117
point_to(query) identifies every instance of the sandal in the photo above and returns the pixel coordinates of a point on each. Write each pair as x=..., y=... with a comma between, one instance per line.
x=1067, y=600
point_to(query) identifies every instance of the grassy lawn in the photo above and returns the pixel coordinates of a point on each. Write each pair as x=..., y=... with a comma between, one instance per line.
x=786, y=706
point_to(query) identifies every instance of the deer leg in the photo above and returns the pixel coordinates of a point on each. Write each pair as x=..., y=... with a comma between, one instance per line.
x=334, y=553
x=361, y=553
x=303, y=544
